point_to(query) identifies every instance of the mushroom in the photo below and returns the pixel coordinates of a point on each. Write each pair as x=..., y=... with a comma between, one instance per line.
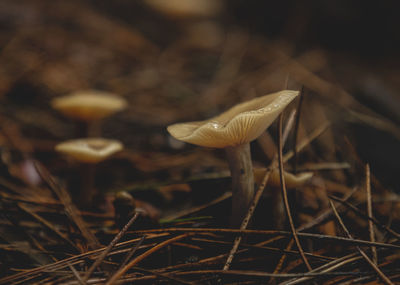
x=234, y=130
x=125, y=206
x=88, y=152
x=184, y=9
x=274, y=198
x=291, y=180
x=196, y=19
x=88, y=107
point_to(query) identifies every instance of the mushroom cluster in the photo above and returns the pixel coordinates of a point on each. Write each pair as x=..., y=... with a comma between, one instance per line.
x=233, y=130
x=88, y=108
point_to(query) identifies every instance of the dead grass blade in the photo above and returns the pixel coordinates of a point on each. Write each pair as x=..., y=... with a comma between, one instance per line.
x=360, y=213
x=110, y=247
x=123, y=270
x=369, y=209
x=70, y=208
x=285, y=198
x=48, y=225
x=385, y=279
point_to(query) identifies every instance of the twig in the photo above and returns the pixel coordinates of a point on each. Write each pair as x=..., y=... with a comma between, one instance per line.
x=63, y=263
x=359, y=212
x=208, y=261
x=163, y=275
x=31, y=238
x=369, y=261
x=374, y=181
x=324, y=166
x=348, y=102
x=193, y=210
x=131, y=252
x=296, y=133
x=238, y=273
x=288, y=127
x=273, y=249
x=390, y=218
x=285, y=198
x=369, y=209
x=123, y=270
x=328, y=267
x=306, y=141
x=296, y=129
x=48, y=225
x=252, y=274
x=214, y=259
x=324, y=216
x=281, y=260
x=70, y=208
x=76, y=274
x=269, y=232
x=110, y=246
x=246, y=220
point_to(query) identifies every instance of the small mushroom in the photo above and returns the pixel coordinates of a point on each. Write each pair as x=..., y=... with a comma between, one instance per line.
x=291, y=180
x=88, y=152
x=89, y=107
x=276, y=206
x=234, y=130
x=125, y=207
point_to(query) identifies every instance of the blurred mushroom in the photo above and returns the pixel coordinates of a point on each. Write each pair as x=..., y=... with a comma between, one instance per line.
x=291, y=180
x=88, y=152
x=234, y=130
x=126, y=206
x=196, y=18
x=274, y=198
x=89, y=107
x=185, y=9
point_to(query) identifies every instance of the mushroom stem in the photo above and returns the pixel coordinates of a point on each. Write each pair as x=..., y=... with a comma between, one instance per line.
x=81, y=129
x=87, y=190
x=88, y=129
x=241, y=168
x=94, y=129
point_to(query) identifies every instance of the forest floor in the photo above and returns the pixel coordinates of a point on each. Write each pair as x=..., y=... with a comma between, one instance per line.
x=174, y=226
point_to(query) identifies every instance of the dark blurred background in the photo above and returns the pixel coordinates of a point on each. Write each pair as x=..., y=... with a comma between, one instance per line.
x=195, y=59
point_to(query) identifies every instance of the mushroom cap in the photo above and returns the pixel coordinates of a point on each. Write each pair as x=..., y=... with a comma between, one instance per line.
x=89, y=150
x=89, y=105
x=291, y=180
x=239, y=125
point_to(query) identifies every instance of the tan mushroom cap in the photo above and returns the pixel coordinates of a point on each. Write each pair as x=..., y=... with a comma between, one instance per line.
x=186, y=8
x=89, y=150
x=291, y=180
x=239, y=125
x=89, y=105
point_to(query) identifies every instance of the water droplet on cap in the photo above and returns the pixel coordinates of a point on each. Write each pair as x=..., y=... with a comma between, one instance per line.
x=215, y=125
